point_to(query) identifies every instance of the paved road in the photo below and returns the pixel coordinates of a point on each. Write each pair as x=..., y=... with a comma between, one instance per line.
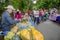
x=50, y=30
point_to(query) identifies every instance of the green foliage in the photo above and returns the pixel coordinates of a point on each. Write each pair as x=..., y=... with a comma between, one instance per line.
x=2, y=5
x=21, y=4
x=47, y=3
x=24, y=5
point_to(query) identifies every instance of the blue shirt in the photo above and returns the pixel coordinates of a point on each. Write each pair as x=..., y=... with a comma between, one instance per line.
x=7, y=21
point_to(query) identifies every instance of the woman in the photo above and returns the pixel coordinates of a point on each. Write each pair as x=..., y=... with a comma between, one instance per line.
x=18, y=15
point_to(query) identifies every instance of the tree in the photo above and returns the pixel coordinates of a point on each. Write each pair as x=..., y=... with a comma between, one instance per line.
x=24, y=5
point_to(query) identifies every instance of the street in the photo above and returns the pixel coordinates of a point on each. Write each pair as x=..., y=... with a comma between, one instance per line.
x=50, y=30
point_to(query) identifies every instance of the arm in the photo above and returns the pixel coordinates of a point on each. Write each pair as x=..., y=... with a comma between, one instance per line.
x=10, y=20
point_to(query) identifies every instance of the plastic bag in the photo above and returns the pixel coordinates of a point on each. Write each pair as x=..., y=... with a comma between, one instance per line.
x=31, y=34
x=9, y=36
x=16, y=37
x=24, y=25
x=25, y=35
x=14, y=29
x=37, y=35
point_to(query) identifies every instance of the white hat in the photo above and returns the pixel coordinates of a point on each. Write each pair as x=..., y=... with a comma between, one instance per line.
x=10, y=6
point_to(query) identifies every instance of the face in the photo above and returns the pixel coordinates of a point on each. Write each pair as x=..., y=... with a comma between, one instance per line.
x=10, y=10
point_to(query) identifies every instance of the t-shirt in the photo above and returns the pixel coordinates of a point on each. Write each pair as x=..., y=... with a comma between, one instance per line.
x=42, y=12
x=18, y=16
x=28, y=12
x=36, y=13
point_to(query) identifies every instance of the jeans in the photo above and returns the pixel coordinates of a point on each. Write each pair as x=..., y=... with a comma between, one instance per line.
x=36, y=19
x=42, y=17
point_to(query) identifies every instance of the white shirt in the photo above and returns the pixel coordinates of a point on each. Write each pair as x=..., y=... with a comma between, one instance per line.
x=36, y=13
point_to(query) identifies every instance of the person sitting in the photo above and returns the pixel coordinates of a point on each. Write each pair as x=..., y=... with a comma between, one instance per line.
x=7, y=20
x=18, y=15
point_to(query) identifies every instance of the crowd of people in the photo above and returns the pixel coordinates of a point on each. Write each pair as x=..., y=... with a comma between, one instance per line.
x=35, y=17
x=13, y=25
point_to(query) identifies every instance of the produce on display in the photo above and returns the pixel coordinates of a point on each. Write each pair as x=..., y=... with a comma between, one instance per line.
x=23, y=25
x=25, y=35
x=11, y=34
x=31, y=34
x=28, y=32
x=15, y=29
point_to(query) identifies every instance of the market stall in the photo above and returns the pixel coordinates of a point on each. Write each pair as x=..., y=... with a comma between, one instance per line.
x=24, y=30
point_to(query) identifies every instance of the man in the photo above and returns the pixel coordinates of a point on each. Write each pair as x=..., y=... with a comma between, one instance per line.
x=7, y=21
x=36, y=16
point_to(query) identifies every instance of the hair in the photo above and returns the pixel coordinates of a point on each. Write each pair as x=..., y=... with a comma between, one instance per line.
x=52, y=13
x=17, y=12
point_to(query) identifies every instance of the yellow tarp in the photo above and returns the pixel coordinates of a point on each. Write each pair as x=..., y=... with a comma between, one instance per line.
x=32, y=34
x=37, y=35
x=25, y=35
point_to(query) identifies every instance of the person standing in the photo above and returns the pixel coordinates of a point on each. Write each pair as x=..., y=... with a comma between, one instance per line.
x=29, y=12
x=36, y=16
x=7, y=20
x=42, y=15
x=46, y=14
